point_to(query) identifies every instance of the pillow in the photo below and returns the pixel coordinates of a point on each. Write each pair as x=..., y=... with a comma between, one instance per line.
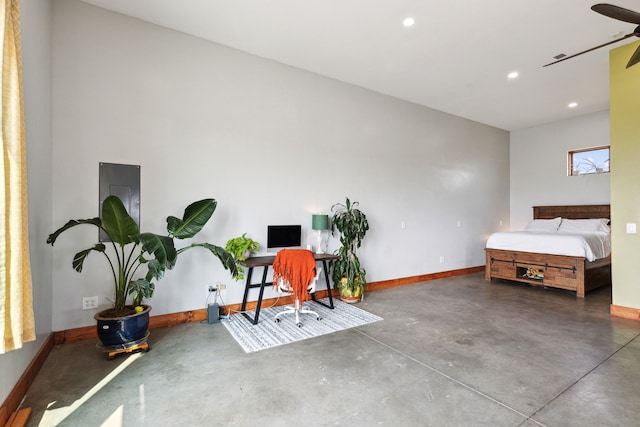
x=585, y=225
x=545, y=225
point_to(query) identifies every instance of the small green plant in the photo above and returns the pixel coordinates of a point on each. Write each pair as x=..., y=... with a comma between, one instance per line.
x=241, y=248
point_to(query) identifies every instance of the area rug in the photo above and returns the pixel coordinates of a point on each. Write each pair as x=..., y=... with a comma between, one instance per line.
x=269, y=333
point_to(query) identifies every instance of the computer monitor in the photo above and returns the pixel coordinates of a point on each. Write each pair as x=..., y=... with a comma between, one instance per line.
x=283, y=236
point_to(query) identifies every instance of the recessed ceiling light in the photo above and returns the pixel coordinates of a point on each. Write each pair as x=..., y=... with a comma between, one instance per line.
x=408, y=21
x=572, y=105
x=512, y=75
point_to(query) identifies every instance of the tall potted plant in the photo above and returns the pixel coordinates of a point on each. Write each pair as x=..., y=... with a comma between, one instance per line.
x=138, y=259
x=348, y=275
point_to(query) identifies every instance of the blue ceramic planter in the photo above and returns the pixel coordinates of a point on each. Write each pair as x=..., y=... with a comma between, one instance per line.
x=121, y=332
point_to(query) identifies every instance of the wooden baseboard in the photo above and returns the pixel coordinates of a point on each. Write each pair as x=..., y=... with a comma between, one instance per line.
x=165, y=320
x=160, y=321
x=626, y=312
x=374, y=286
x=19, y=391
x=19, y=418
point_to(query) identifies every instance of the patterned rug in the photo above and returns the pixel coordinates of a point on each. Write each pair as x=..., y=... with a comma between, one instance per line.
x=268, y=333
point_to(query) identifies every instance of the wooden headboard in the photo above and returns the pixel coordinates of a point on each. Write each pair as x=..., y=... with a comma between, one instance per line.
x=572, y=212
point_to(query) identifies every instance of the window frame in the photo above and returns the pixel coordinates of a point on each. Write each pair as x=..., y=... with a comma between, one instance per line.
x=571, y=153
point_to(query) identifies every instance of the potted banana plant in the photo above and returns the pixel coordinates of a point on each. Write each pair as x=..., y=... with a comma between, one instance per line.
x=348, y=275
x=136, y=261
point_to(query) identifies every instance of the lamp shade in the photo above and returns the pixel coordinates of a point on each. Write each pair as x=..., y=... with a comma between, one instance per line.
x=320, y=222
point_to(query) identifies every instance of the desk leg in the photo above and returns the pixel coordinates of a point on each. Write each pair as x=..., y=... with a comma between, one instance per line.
x=246, y=291
x=262, y=285
x=326, y=277
x=247, y=286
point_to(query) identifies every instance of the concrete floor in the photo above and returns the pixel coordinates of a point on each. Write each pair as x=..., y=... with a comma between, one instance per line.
x=450, y=352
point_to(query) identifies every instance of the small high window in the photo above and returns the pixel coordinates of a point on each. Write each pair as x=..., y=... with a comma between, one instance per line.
x=589, y=161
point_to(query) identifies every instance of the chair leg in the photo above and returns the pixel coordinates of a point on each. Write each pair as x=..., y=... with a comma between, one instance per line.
x=296, y=309
x=289, y=310
x=298, y=322
x=307, y=311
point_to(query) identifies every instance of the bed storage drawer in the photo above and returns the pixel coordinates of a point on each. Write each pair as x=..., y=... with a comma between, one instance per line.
x=538, y=269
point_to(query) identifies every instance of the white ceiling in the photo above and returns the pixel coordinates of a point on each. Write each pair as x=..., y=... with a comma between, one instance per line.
x=455, y=58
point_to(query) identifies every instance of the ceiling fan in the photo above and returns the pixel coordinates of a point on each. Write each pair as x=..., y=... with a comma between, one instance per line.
x=621, y=14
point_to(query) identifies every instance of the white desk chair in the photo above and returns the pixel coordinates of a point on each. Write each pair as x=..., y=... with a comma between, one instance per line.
x=298, y=308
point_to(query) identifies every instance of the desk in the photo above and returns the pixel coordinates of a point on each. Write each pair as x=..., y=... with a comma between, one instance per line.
x=266, y=261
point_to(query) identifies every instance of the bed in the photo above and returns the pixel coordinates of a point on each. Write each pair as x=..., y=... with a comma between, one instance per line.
x=579, y=273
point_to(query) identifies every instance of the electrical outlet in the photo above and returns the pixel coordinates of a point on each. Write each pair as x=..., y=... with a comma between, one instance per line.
x=441, y=259
x=89, y=303
x=217, y=287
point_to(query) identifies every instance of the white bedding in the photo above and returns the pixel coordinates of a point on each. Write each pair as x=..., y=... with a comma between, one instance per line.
x=591, y=246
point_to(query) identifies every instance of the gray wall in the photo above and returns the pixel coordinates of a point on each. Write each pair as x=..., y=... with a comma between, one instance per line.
x=271, y=143
x=36, y=59
x=539, y=166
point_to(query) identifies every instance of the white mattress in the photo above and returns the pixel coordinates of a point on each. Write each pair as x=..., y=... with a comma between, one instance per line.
x=591, y=246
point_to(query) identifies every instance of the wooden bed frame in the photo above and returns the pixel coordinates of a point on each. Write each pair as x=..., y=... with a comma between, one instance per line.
x=556, y=271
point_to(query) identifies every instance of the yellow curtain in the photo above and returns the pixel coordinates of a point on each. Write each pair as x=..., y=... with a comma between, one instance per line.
x=16, y=308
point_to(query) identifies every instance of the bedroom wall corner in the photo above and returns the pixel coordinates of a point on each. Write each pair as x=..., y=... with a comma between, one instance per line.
x=538, y=166
x=625, y=175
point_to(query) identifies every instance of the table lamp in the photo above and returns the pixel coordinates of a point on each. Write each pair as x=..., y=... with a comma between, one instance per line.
x=319, y=222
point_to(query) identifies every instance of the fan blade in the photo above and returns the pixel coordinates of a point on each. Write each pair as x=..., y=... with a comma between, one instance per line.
x=617, y=12
x=635, y=58
x=593, y=48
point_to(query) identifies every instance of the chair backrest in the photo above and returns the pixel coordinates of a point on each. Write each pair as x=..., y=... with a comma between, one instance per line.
x=296, y=269
x=284, y=287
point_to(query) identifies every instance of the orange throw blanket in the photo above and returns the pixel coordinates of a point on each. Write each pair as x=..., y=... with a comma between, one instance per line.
x=297, y=269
